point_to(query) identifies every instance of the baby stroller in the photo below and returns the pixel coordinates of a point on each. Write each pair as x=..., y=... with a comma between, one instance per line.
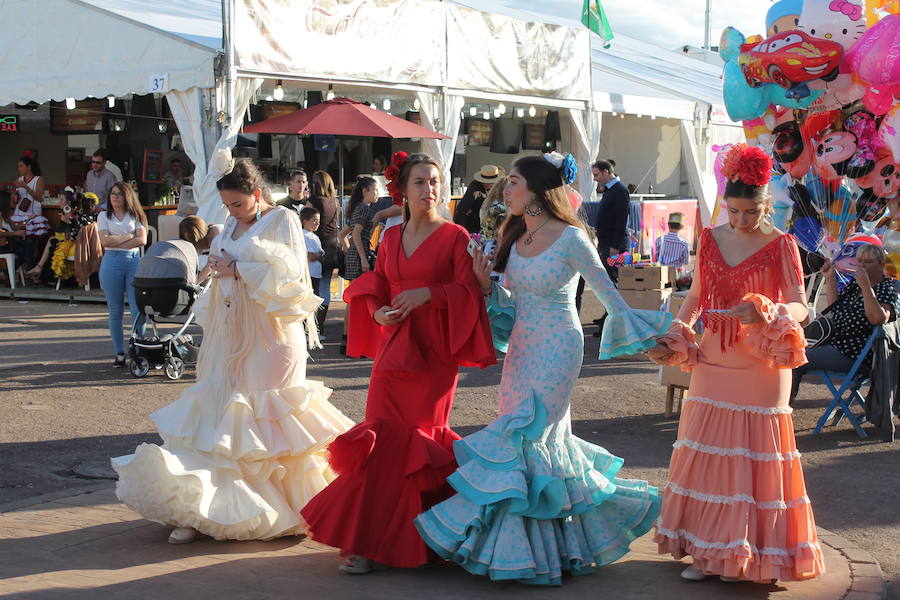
x=165, y=282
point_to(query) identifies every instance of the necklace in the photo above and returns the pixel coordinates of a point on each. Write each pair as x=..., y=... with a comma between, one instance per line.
x=530, y=238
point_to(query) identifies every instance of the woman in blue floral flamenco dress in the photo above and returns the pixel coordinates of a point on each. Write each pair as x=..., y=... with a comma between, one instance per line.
x=533, y=500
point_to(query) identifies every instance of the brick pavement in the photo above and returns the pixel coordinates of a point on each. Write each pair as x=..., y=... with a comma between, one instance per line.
x=88, y=546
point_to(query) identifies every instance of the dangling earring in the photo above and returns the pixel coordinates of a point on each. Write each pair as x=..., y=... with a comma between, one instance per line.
x=258, y=211
x=533, y=209
x=767, y=224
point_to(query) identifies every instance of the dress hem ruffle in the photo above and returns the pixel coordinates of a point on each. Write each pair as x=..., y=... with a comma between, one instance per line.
x=528, y=509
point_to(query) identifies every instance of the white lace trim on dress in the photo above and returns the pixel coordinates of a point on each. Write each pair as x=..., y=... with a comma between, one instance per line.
x=759, y=410
x=742, y=542
x=745, y=452
x=715, y=499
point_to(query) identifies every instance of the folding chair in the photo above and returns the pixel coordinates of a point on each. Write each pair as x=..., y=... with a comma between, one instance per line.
x=851, y=381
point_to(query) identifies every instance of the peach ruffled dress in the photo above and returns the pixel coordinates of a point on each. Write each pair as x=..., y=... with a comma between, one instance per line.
x=736, y=501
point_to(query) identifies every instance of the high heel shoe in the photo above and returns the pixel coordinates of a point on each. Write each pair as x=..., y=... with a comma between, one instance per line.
x=182, y=535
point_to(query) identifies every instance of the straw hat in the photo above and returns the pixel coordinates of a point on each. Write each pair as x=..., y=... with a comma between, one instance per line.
x=489, y=174
x=677, y=218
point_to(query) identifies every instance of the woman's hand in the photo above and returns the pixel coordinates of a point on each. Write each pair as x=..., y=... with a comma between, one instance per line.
x=862, y=278
x=364, y=264
x=222, y=266
x=409, y=300
x=384, y=319
x=746, y=313
x=659, y=353
x=482, y=266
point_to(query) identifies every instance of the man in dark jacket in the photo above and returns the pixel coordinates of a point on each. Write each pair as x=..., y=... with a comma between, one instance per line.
x=612, y=217
x=468, y=209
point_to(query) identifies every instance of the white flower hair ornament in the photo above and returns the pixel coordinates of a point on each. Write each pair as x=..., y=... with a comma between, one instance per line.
x=223, y=162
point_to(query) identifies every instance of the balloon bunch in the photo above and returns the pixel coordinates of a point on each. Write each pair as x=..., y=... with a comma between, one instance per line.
x=821, y=94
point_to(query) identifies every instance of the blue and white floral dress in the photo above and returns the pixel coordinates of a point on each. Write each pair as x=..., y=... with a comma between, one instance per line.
x=534, y=500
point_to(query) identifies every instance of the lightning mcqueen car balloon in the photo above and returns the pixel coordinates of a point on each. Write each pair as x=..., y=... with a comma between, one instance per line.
x=790, y=59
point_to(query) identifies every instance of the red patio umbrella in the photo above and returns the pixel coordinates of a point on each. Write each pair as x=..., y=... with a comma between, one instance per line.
x=343, y=116
x=346, y=117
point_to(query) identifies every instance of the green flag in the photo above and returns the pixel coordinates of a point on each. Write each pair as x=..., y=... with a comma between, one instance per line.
x=594, y=18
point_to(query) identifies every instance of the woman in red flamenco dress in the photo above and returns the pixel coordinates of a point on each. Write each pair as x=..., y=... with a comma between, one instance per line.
x=421, y=315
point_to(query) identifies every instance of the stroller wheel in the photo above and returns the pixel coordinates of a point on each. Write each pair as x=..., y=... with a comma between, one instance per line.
x=174, y=368
x=138, y=366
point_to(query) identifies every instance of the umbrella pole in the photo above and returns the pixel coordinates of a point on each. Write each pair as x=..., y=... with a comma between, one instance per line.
x=340, y=150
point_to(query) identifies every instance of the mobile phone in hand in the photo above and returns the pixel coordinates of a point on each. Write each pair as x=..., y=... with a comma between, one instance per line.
x=472, y=246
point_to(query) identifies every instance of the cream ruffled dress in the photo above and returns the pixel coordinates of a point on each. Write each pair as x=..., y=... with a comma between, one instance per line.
x=244, y=447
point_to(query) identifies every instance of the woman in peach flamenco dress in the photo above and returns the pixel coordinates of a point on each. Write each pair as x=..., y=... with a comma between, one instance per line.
x=736, y=501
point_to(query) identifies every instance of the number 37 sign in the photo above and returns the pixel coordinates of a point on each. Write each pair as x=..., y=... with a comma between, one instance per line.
x=158, y=84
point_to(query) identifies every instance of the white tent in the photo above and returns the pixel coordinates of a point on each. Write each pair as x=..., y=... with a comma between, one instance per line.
x=76, y=49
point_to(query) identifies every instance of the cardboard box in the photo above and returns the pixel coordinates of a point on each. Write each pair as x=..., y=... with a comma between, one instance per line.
x=675, y=376
x=652, y=277
x=676, y=301
x=645, y=299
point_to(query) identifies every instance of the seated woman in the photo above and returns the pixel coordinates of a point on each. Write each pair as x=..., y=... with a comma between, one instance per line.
x=54, y=262
x=870, y=300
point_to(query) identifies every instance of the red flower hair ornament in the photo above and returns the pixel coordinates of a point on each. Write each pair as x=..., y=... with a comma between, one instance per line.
x=749, y=164
x=392, y=174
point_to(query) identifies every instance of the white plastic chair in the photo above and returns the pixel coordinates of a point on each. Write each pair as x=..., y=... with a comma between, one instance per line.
x=87, y=287
x=10, y=259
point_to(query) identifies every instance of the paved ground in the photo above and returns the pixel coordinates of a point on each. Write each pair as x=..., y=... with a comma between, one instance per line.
x=64, y=411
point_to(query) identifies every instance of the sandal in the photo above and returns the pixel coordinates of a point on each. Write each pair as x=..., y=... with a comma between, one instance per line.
x=359, y=565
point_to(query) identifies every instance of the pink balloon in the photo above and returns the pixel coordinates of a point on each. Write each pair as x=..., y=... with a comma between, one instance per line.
x=889, y=132
x=875, y=58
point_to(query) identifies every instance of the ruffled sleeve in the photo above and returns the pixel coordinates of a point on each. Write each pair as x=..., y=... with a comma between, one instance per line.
x=366, y=294
x=680, y=339
x=458, y=314
x=501, y=311
x=778, y=341
x=626, y=331
x=274, y=275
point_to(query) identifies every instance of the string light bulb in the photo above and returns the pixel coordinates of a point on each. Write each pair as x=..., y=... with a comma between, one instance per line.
x=497, y=113
x=532, y=111
x=520, y=112
x=111, y=101
x=278, y=93
x=386, y=105
x=501, y=109
x=473, y=110
x=70, y=103
x=416, y=104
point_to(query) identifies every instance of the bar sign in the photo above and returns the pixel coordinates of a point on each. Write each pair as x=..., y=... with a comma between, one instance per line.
x=9, y=123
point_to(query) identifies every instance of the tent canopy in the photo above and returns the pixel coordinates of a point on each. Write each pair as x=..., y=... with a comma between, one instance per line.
x=86, y=51
x=636, y=77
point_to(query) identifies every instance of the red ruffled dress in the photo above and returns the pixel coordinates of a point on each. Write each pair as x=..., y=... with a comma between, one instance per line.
x=736, y=501
x=394, y=465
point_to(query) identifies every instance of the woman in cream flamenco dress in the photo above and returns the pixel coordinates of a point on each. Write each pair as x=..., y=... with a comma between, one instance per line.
x=244, y=447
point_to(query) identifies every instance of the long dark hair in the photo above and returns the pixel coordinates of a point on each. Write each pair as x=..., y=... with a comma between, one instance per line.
x=132, y=206
x=356, y=198
x=546, y=183
x=403, y=178
x=31, y=164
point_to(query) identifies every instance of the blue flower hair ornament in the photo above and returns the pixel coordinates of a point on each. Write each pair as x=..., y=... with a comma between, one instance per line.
x=566, y=165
